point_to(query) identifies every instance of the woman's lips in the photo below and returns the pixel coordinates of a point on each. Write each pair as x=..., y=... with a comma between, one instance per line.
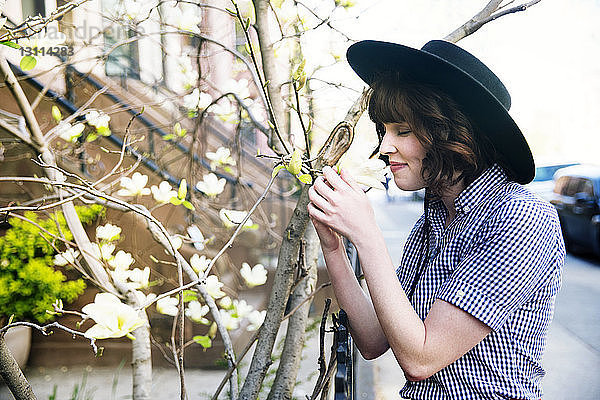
x=397, y=166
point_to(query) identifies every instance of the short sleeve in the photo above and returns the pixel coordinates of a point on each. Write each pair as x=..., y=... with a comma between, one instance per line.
x=515, y=252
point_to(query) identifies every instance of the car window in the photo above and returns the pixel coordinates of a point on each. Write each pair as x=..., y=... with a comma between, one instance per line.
x=572, y=186
x=561, y=184
x=587, y=187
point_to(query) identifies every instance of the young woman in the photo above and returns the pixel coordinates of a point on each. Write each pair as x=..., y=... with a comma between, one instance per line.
x=467, y=311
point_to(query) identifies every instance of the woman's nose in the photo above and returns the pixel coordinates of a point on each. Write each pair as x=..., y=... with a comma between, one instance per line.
x=386, y=147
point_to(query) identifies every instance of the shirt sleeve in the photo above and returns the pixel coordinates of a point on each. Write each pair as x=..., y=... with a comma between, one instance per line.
x=515, y=252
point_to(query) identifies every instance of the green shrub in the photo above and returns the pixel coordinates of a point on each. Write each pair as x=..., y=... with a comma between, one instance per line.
x=29, y=282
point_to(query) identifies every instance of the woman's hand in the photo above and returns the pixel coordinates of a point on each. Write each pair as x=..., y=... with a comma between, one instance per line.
x=339, y=203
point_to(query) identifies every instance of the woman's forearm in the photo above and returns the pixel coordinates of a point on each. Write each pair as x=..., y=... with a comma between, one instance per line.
x=364, y=325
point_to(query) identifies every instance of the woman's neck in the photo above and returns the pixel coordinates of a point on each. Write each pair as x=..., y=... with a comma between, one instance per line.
x=448, y=198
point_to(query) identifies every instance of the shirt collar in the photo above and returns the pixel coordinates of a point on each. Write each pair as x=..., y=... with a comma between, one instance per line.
x=482, y=187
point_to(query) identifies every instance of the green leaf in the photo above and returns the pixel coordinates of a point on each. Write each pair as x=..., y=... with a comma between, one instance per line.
x=56, y=114
x=305, y=178
x=27, y=63
x=277, y=169
x=91, y=137
x=103, y=131
x=189, y=295
x=188, y=205
x=178, y=131
x=299, y=71
x=203, y=341
x=228, y=169
x=168, y=137
x=310, y=125
x=301, y=82
x=212, y=331
x=176, y=201
x=182, y=192
x=11, y=44
x=295, y=164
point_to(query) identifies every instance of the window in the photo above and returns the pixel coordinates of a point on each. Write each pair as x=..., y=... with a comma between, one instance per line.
x=33, y=7
x=123, y=60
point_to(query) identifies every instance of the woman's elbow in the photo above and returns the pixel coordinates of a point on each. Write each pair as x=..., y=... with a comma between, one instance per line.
x=417, y=372
x=371, y=352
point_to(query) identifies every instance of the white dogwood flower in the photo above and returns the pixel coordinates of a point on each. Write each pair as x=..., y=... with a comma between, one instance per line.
x=368, y=172
x=163, y=193
x=254, y=276
x=231, y=218
x=226, y=303
x=120, y=275
x=176, y=241
x=97, y=119
x=211, y=185
x=142, y=298
x=121, y=260
x=196, y=312
x=239, y=87
x=167, y=306
x=213, y=287
x=134, y=186
x=139, y=278
x=68, y=132
x=229, y=320
x=242, y=309
x=256, y=318
x=113, y=318
x=199, y=263
x=197, y=237
x=103, y=251
x=197, y=100
x=67, y=257
x=108, y=232
x=221, y=157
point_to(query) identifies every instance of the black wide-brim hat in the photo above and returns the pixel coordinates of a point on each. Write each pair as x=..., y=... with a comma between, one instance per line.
x=476, y=89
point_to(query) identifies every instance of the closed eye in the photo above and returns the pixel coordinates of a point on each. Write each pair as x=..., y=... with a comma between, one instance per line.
x=402, y=133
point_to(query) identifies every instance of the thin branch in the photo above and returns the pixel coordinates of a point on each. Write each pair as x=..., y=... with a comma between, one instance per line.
x=484, y=16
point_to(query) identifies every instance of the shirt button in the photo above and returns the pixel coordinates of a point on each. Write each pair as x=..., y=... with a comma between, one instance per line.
x=466, y=208
x=460, y=294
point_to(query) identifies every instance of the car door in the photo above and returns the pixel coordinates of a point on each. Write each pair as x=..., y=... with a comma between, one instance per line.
x=584, y=207
x=567, y=187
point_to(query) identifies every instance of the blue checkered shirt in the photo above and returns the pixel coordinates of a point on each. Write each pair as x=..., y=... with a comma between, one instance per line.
x=500, y=260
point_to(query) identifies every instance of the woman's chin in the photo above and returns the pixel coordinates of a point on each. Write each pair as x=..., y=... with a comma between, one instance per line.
x=402, y=184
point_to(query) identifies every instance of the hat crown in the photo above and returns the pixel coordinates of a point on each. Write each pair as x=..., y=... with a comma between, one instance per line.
x=471, y=65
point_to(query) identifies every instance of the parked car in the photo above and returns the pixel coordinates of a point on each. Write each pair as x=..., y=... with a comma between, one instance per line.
x=543, y=184
x=577, y=201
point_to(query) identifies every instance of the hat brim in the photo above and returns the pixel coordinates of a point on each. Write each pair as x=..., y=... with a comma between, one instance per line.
x=371, y=58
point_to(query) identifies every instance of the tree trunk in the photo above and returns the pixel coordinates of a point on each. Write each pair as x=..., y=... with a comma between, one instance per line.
x=289, y=364
x=12, y=374
x=284, y=276
x=269, y=64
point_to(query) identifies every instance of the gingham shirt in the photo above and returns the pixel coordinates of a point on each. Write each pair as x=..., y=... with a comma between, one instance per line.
x=500, y=260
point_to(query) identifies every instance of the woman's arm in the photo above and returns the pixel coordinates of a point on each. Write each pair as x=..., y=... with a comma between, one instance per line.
x=364, y=325
x=421, y=347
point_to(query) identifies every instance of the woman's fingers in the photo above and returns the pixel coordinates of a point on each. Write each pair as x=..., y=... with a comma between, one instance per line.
x=334, y=179
x=349, y=179
x=318, y=200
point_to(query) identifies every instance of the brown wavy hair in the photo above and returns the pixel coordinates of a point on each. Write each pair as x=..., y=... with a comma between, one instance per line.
x=451, y=142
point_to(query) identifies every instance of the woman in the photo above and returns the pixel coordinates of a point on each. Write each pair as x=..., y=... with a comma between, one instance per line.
x=467, y=311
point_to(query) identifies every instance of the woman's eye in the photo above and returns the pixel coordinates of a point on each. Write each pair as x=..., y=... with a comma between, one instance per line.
x=403, y=133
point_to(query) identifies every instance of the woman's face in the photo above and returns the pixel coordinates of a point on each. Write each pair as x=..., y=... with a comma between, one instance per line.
x=405, y=154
